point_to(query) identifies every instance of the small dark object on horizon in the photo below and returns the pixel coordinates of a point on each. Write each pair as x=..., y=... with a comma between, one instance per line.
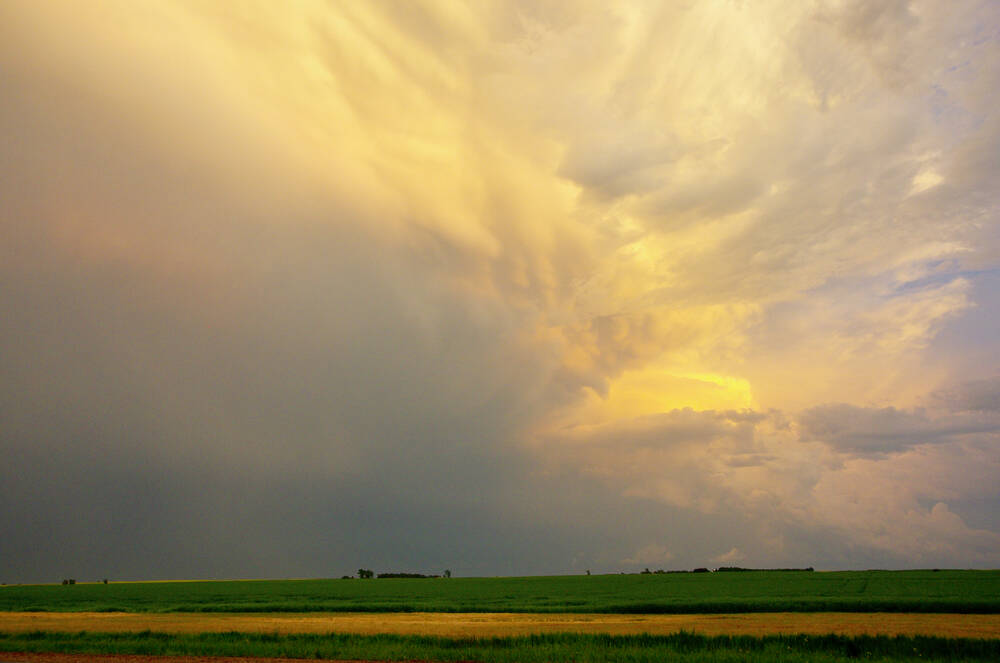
x=725, y=569
x=406, y=575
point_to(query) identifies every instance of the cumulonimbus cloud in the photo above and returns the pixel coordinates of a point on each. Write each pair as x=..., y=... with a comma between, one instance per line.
x=441, y=267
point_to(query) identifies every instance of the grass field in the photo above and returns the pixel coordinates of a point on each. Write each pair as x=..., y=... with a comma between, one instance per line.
x=554, y=648
x=759, y=616
x=842, y=591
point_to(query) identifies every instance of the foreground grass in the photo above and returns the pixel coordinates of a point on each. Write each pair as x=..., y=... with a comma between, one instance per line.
x=842, y=591
x=551, y=648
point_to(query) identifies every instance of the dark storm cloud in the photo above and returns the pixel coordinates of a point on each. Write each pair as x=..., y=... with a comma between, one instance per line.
x=974, y=396
x=886, y=430
x=128, y=418
x=202, y=376
x=212, y=370
x=286, y=293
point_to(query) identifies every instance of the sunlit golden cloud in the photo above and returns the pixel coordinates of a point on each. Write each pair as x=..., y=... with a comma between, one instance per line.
x=641, y=245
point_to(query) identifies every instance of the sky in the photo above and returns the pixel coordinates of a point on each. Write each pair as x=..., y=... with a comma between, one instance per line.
x=507, y=288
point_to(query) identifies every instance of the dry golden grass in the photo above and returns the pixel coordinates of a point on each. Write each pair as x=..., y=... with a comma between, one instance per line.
x=505, y=624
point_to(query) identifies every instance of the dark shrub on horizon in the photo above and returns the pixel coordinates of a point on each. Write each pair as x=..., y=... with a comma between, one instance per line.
x=730, y=569
x=406, y=575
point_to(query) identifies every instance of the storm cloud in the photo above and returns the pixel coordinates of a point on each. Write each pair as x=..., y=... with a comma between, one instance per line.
x=517, y=288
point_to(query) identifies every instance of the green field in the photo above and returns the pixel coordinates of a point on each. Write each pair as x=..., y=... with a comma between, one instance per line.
x=842, y=591
x=555, y=648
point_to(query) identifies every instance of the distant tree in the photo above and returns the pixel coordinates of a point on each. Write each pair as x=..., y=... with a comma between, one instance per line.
x=447, y=573
x=366, y=573
x=588, y=572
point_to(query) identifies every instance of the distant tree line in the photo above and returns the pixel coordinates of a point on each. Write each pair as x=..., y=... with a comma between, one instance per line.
x=721, y=569
x=368, y=573
x=730, y=569
x=406, y=575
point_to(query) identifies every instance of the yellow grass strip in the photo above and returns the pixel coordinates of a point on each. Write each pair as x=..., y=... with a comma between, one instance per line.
x=503, y=624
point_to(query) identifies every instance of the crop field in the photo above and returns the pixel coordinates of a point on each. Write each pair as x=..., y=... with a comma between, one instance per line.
x=491, y=625
x=685, y=617
x=681, y=593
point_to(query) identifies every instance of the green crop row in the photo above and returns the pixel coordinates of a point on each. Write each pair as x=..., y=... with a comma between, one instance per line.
x=752, y=591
